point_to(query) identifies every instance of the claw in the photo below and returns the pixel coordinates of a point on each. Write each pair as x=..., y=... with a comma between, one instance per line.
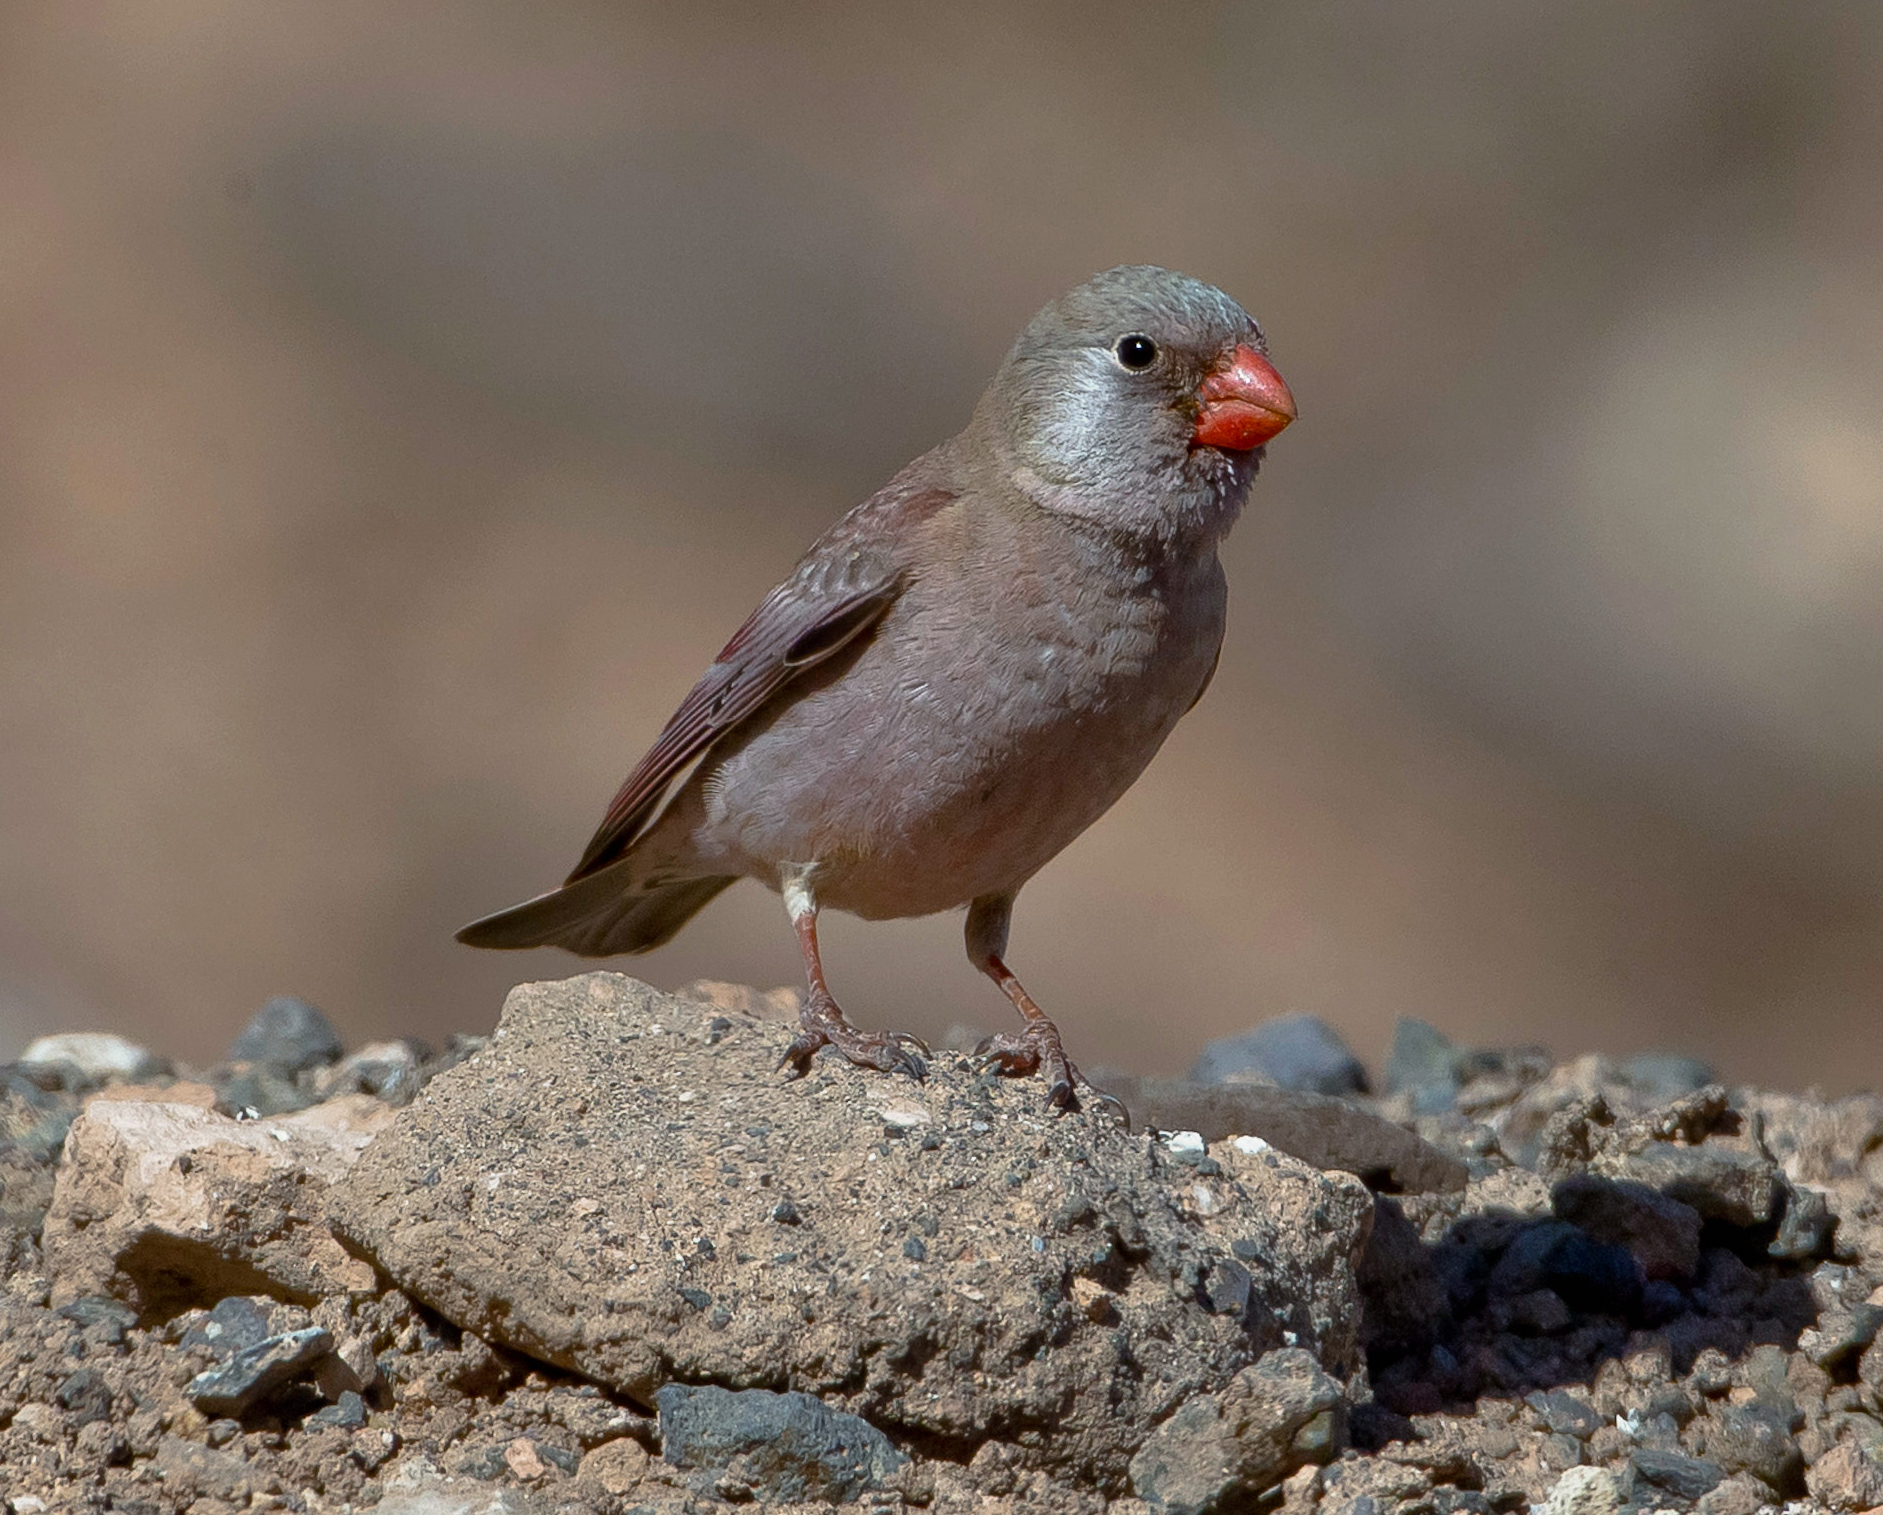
x=1103, y=1101
x=821, y=1024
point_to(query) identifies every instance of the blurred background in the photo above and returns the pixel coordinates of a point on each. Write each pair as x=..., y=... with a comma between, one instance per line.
x=404, y=401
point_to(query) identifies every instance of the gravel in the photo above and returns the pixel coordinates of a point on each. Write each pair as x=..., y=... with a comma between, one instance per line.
x=1597, y=1285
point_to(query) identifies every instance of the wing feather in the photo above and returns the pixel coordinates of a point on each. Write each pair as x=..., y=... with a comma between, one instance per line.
x=841, y=588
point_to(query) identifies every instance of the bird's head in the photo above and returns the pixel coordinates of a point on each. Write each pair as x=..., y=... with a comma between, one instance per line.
x=1141, y=399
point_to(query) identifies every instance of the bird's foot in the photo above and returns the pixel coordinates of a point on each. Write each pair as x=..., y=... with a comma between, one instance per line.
x=1038, y=1049
x=821, y=1024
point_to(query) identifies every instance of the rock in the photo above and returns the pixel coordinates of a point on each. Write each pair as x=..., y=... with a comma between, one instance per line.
x=98, y=1056
x=1423, y=1062
x=1662, y=1233
x=1742, y=1494
x=392, y=1071
x=1292, y=1051
x=1588, y=1274
x=1330, y=1134
x=234, y=1324
x=1841, y=1334
x=1272, y=1418
x=602, y=1188
x=1663, y=1076
x=1585, y=1491
x=348, y=1412
x=1756, y=1439
x=1805, y=1225
x=1675, y=1473
x=33, y=1125
x=783, y=1447
x=254, y=1373
x=1565, y=1414
x=458, y=1496
x=288, y=1034
x=162, y=1205
x=614, y=1467
x=1737, y=1185
x=191, y=1472
x=1847, y=1477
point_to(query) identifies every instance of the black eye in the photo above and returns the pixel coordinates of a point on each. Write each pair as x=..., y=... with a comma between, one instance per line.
x=1136, y=351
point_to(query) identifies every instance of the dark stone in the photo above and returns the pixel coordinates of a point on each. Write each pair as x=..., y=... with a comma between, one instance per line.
x=1805, y=1227
x=1682, y=1476
x=85, y=1396
x=348, y=1412
x=1328, y=1133
x=1564, y=1414
x=235, y=1324
x=254, y=1373
x=1591, y=1276
x=785, y=1447
x=1227, y=1287
x=1294, y=1051
x=288, y=1034
x=1842, y=1334
x=1755, y=1439
x=108, y=1318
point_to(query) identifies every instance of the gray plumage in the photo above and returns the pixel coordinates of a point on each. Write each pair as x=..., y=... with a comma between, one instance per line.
x=964, y=672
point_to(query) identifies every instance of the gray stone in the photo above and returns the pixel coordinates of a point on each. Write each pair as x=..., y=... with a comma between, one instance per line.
x=234, y=1324
x=785, y=1447
x=1273, y=1418
x=256, y=1372
x=1423, y=1062
x=588, y=1190
x=288, y=1034
x=1292, y=1051
x=1662, y=1076
x=1334, y=1135
x=85, y=1396
x=1841, y=1334
x=348, y=1412
x=1755, y=1439
x=1682, y=1476
x=1565, y=1414
x=1805, y=1225
x=1731, y=1182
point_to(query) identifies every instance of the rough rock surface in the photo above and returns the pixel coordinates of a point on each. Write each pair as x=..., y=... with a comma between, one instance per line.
x=158, y=1203
x=1622, y=1289
x=615, y=1186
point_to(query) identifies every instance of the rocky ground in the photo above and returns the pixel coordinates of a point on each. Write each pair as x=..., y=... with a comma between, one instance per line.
x=608, y=1261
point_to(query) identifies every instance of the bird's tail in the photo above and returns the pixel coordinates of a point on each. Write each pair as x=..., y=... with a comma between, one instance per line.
x=600, y=915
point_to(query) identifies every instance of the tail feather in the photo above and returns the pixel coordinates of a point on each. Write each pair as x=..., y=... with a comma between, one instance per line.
x=598, y=916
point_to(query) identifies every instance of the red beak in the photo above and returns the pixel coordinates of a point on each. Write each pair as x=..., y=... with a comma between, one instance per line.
x=1242, y=403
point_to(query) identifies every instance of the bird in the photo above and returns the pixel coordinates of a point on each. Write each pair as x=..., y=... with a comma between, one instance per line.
x=964, y=672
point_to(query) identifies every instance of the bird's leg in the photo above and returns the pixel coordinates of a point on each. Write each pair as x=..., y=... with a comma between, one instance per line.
x=821, y=1022
x=1038, y=1047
